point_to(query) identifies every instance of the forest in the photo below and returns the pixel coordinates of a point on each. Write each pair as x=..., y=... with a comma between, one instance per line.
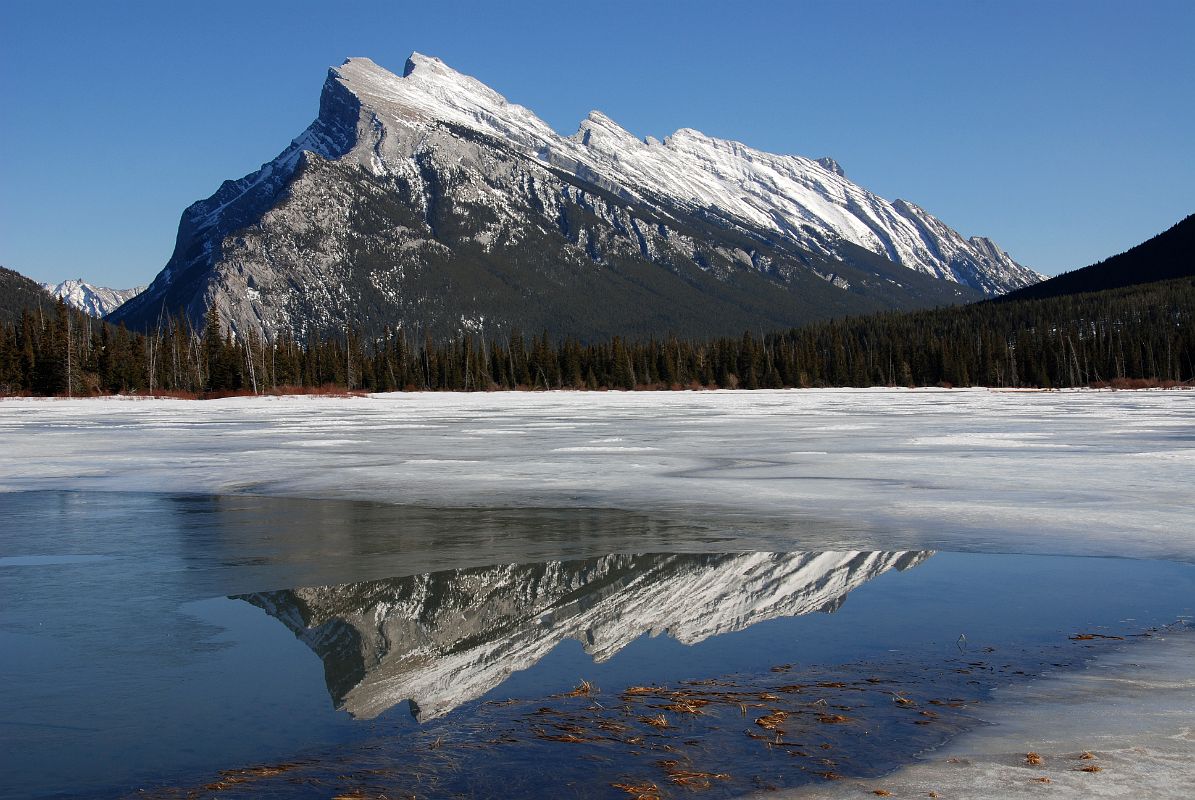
x=1135, y=335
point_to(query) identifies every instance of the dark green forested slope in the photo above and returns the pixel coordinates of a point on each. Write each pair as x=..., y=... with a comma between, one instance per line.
x=1131, y=334
x=18, y=293
x=1120, y=336
x=1168, y=255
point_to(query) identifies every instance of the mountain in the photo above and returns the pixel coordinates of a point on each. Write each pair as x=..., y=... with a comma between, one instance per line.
x=444, y=638
x=18, y=293
x=96, y=301
x=431, y=201
x=1168, y=255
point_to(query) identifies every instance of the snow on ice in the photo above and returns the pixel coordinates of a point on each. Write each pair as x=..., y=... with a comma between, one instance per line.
x=1099, y=473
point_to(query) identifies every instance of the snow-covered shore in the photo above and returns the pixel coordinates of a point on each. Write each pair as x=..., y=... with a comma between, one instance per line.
x=1122, y=728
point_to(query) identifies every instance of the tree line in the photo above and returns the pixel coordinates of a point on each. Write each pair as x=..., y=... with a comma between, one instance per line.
x=1137, y=333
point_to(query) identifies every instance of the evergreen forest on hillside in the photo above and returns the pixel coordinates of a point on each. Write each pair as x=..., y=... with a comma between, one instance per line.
x=1141, y=334
x=1167, y=256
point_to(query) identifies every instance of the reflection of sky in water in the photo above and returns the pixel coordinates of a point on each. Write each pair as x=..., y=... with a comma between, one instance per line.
x=132, y=665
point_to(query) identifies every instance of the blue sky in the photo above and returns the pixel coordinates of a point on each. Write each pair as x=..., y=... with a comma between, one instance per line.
x=1063, y=130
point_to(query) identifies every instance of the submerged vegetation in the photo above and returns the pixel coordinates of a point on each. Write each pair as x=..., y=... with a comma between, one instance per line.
x=1131, y=336
x=719, y=736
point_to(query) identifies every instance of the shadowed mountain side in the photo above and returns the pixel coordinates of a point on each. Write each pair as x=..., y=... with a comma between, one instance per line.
x=18, y=293
x=442, y=639
x=1169, y=255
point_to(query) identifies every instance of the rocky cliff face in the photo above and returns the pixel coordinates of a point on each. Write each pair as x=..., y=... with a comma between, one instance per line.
x=442, y=639
x=429, y=200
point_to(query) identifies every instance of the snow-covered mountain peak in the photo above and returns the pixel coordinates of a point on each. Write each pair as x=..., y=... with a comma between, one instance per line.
x=433, y=76
x=415, y=60
x=810, y=201
x=429, y=92
x=602, y=134
x=428, y=65
x=682, y=135
x=96, y=301
x=449, y=168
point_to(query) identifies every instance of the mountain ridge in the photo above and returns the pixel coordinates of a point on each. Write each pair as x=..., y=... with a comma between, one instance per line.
x=431, y=201
x=95, y=301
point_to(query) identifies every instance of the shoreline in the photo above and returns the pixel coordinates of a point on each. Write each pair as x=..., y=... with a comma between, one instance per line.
x=1122, y=726
x=340, y=392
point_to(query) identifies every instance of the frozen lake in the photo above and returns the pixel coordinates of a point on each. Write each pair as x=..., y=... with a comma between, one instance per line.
x=1086, y=473
x=300, y=590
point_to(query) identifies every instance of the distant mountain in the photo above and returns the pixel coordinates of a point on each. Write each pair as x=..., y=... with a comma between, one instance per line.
x=1166, y=256
x=442, y=639
x=95, y=301
x=18, y=293
x=428, y=200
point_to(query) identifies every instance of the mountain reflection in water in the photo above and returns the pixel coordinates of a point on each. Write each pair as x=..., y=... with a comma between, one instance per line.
x=444, y=638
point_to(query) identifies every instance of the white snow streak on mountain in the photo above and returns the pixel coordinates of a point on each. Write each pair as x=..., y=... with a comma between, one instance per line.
x=800, y=198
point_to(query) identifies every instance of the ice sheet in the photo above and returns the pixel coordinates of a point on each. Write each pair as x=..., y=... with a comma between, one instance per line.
x=1105, y=473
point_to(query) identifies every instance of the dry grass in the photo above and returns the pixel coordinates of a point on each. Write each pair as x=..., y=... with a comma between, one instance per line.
x=1086, y=637
x=797, y=707
x=567, y=732
x=687, y=705
x=235, y=777
x=772, y=721
x=640, y=791
x=694, y=779
x=951, y=703
x=832, y=719
x=690, y=778
x=582, y=689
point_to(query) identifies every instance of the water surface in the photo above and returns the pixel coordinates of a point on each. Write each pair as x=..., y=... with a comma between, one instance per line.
x=273, y=647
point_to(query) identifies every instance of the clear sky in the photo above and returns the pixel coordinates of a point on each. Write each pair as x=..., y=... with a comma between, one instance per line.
x=1063, y=130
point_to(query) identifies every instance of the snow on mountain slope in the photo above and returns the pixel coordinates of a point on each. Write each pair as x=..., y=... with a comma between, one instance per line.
x=442, y=639
x=97, y=301
x=809, y=201
x=429, y=201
